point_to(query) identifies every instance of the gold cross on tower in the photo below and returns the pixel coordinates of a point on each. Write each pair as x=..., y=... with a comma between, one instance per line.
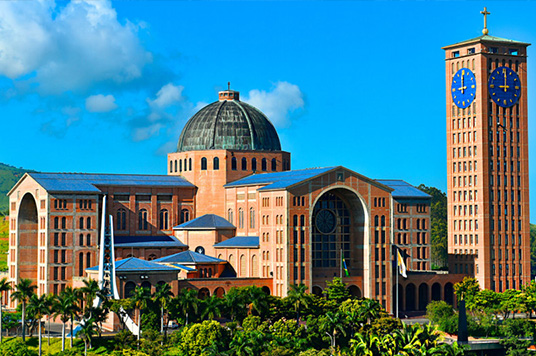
x=485, y=13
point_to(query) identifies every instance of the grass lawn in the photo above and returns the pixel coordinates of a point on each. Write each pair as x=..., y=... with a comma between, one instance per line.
x=101, y=346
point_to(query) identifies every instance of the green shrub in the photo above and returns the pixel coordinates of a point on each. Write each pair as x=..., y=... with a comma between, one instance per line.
x=449, y=324
x=518, y=328
x=436, y=311
x=15, y=347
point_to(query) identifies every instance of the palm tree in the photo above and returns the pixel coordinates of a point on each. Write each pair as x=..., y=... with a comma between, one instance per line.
x=258, y=300
x=240, y=345
x=187, y=300
x=22, y=294
x=72, y=294
x=139, y=300
x=162, y=295
x=4, y=287
x=89, y=291
x=86, y=332
x=63, y=306
x=298, y=297
x=50, y=312
x=333, y=324
x=211, y=307
x=38, y=306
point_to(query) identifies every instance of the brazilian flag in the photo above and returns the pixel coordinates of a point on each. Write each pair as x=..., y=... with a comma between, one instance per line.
x=346, y=273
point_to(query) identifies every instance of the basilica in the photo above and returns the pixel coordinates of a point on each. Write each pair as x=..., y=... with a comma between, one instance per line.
x=230, y=212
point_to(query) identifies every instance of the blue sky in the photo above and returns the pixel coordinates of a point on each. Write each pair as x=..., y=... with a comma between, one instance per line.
x=107, y=86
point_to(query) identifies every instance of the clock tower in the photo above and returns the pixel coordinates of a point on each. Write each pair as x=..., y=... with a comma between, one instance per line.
x=487, y=160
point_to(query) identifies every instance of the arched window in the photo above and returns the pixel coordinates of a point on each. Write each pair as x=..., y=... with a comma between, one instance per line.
x=170, y=166
x=88, y=240
x=233, y=163
x=80, y=264
x=180, y=165
x=88, y=223
x=204, y=164
x=81, y=240
x=81, y=223
x=244, y=164
x=164, y=219
x=56, y=223
x=383, y=220
x=232, y=261
x=254, y=164
x=376, y=220
x=142, y=220
x=254, y=266
x=243, y=266
x=295, y=220
x=251, y=218
x=230, y=215
x=274, y=164
x=121, y=220
x=190, y=164
x=129, y=289
x=63, y=222
x=302, y=220
x=88, y=259
x=216, y=163
x=240, y=218
x=185, y=215
x=264, y=164
x=175, y=166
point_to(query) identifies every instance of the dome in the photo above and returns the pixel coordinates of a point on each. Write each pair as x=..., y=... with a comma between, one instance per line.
x=229, y=124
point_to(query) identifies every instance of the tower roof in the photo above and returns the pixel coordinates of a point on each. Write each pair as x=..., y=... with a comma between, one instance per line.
x=229, y=124
x=487, y=38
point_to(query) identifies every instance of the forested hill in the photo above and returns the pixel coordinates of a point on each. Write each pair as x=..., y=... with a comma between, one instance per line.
x=9, y=175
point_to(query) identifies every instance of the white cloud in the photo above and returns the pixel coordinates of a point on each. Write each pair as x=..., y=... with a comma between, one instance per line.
x=278, y=103
x=73, y=47
x=100, y=103
x=168, y=95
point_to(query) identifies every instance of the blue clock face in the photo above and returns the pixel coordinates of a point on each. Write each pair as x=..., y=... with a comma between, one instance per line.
x=463, y=88
x=504, y=87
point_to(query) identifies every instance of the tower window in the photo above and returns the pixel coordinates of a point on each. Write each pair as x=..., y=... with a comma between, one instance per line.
x=263, y=165
x=142, y=220
x=164, y=218
x=471, y=50
x=513, y=51
x=204, y=164
x=244, y=164
x=254, y=164
x=185, y=215
x=456, y=54
x=274, y=164
x=233, y=164
x=216, y=163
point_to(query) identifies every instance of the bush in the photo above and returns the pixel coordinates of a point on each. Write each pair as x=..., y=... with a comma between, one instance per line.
x=197, y=337
x=449, y=324
x=518, y=328
x=124, y=339
x=436, y=311
x=15, y=347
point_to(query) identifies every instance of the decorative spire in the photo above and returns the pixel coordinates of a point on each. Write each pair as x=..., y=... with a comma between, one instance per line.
x=485, y=13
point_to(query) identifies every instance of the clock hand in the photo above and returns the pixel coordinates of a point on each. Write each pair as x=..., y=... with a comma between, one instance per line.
x=462, y=87
x=504, y=86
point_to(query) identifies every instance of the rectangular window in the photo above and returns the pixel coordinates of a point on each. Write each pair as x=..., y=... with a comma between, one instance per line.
x=513, y=51
x=456, y=54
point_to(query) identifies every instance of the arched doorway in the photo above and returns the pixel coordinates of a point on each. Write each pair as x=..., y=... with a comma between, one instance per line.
x=338, y=224
x=354, y=291
x=436, y=291
x=266, y=290
x=219, y=292
x=423, y=296
x=203, y=293
x=28, y=238
x=449, y=293
x=410, y=297
x=317, y=291
x=129, y=289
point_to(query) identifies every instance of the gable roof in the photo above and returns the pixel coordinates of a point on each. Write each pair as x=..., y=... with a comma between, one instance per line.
x=88, y=182
x=147, y=241
x=134, y=264
x=403, y=189
x=279, y=180
x=239, y=242
x=188, y=257
x=207, y=221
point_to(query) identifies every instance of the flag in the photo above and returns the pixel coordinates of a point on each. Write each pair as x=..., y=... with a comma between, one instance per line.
x=346, y=273
x=401, y=266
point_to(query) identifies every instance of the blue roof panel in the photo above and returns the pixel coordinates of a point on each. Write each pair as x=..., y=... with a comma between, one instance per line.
x=403, y=189
x=239, y=242
x=88, y=182
x=188, y=257
x=133, y=264
x=279, y=180
x=147, y=241
x=207, y=221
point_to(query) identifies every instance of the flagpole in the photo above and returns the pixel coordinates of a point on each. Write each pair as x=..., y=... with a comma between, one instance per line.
x=396, y=271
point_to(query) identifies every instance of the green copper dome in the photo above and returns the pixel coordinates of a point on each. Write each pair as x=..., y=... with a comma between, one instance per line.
x=231, y=125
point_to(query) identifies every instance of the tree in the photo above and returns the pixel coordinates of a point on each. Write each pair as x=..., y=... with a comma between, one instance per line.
x=71, y=294
x=86, y=332
x=162, y=296
x=438, y=225
x=467, y=290
x=336, y=290
x=64, y=307
x=299, y=298
x=196, y=338
x=234, y=302
x=334, y=324
x=89, y=291
x=187, y=302
x=22, y=294
x=211, y=307
x=50, y=312
x=139, y=300
x=4, y=287
x=38, y=307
